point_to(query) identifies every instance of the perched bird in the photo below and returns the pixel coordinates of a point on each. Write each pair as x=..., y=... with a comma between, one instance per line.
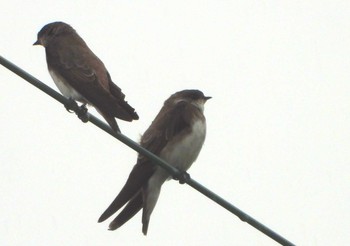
x=80, y=75
x=176, y=135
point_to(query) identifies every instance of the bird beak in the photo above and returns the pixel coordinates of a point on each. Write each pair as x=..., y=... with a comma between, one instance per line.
x=37, y=42
x=207, y=98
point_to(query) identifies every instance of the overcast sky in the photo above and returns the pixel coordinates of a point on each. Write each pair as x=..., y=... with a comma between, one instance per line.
x=278, y=133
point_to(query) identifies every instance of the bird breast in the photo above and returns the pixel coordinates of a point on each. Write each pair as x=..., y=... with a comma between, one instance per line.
x=64, y=87
x=184, y=149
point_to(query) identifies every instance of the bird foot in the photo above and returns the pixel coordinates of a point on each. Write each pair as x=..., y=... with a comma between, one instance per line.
x=82, y=113
x=70, y=105
x=182, y=177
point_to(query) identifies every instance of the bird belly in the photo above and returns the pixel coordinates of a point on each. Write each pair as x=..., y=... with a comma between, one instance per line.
x=183, y=151
x=64, y=87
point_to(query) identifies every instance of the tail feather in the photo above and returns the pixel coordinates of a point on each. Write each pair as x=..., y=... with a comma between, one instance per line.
x=145, y=227
x=131, y=189
x=132, y=208
x=123, y=110
x=111, y=122
x=122, y=198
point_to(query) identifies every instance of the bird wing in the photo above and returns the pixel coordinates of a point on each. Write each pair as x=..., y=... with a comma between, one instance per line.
x=166, y=125
x=86, y=73
x=137, y=178
x=132, y=208
x=169, y=122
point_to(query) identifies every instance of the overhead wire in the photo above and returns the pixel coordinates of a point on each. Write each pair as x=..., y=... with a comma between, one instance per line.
x=182, y=177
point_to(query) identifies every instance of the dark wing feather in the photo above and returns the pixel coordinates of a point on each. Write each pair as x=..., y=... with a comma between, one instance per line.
x=87, y=75
x=168, y=123
x=128, y=212
x=117, y=93
x=137, y=178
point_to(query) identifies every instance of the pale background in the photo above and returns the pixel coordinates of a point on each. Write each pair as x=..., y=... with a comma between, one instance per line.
x=278, y=133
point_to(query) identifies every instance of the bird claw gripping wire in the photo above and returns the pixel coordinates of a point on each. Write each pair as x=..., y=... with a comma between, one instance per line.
x=81, y=111
x=182, y=177
x=71, y=105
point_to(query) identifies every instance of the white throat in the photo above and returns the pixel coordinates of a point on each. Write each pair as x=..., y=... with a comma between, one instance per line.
x=199, y=104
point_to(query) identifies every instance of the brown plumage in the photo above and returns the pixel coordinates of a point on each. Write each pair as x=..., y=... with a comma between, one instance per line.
x=176, y=135
x=80, y=75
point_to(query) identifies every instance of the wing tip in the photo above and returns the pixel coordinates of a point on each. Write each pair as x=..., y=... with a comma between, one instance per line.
x=102, y=218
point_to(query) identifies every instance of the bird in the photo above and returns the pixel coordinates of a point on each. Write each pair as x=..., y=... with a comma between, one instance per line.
x=176, y=135
x=80, y=75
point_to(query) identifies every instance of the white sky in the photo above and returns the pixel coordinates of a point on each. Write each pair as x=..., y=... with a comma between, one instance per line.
x=278, y=133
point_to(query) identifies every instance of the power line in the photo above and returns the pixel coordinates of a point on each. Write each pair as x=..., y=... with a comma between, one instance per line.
x=183, y=177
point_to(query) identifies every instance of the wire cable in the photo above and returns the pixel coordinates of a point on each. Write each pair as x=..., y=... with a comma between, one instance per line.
x=183, y=177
